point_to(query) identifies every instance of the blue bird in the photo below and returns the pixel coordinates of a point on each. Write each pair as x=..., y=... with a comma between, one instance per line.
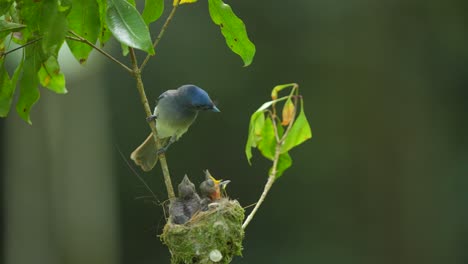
x=175, y=111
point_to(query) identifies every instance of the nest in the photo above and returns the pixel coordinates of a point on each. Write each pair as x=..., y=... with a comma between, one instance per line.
x=213, y=236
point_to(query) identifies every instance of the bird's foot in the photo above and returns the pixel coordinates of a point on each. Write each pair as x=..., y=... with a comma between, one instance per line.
x=151, y=118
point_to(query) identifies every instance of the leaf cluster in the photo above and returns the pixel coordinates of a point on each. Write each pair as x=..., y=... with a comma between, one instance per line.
x=275, y=136
x=40, y=28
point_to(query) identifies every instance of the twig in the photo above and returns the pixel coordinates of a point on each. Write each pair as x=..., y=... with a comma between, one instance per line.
x=144, y=101
x=3, y=54
x=271, y=180
x=83, y=40
x=161, y=33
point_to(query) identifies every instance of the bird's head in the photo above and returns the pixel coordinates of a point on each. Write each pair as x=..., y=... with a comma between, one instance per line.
x=186, y=188
x=197, y=98
x=212, y=187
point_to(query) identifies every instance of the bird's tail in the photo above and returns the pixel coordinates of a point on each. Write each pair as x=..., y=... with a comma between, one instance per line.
x=146, y=155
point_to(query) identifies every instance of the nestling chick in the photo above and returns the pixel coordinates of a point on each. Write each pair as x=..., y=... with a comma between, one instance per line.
x=210, y=190
x=186, y=205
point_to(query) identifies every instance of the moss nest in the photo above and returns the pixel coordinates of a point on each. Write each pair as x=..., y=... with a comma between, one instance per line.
x=213, y=236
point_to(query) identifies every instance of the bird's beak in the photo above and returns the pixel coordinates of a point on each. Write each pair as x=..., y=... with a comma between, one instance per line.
x=215, y=109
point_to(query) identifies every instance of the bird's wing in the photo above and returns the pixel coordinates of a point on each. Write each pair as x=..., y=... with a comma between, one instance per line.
x=166, y=93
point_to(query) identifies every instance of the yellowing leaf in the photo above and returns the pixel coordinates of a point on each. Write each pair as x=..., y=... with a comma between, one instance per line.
x=300, y=132
x=288, y=112
x=51, y=77
x=278, y=88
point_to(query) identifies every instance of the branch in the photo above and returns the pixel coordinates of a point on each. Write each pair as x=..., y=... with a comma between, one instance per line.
x=3, y=54
x=144, y=101
x=83, y=40
x=271, y=180
x=161, y=33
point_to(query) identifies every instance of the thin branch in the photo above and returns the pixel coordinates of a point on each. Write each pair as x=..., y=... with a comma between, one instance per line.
x=275, y=128
x=161, y=33
x=271, y=180
x=3, y=54
x=83, y=40
x=144, y=101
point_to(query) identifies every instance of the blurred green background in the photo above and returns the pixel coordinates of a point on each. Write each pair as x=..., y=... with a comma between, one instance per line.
x=383, y=180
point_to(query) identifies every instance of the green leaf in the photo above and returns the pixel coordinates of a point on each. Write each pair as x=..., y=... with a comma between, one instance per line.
x=256, y=126
x=153, y=10
x=125, y=49
x=6, y=90
x=233, y=30
x=8, y=87
x=257, y=121
x=50, y=76
x=105, y=33
x=8, y=27
x=84, y=21
x=30, y=15
x=127, y=26
x=300, y=132
x=53, y=26
x=5, y=6
x=267, y=144
x=284, y=162
x=29, y=92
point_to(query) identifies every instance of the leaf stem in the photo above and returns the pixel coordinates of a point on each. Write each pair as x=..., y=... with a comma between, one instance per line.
x=3, y=54
x=161, y=33
x=144, y=101
x=83, y=40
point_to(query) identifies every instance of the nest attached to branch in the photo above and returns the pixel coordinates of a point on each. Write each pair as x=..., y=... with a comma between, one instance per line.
x=213, y=236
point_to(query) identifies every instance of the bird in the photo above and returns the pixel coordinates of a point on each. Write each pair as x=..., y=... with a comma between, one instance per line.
x=186, y=204
x=175, y=111
x=210, y=190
